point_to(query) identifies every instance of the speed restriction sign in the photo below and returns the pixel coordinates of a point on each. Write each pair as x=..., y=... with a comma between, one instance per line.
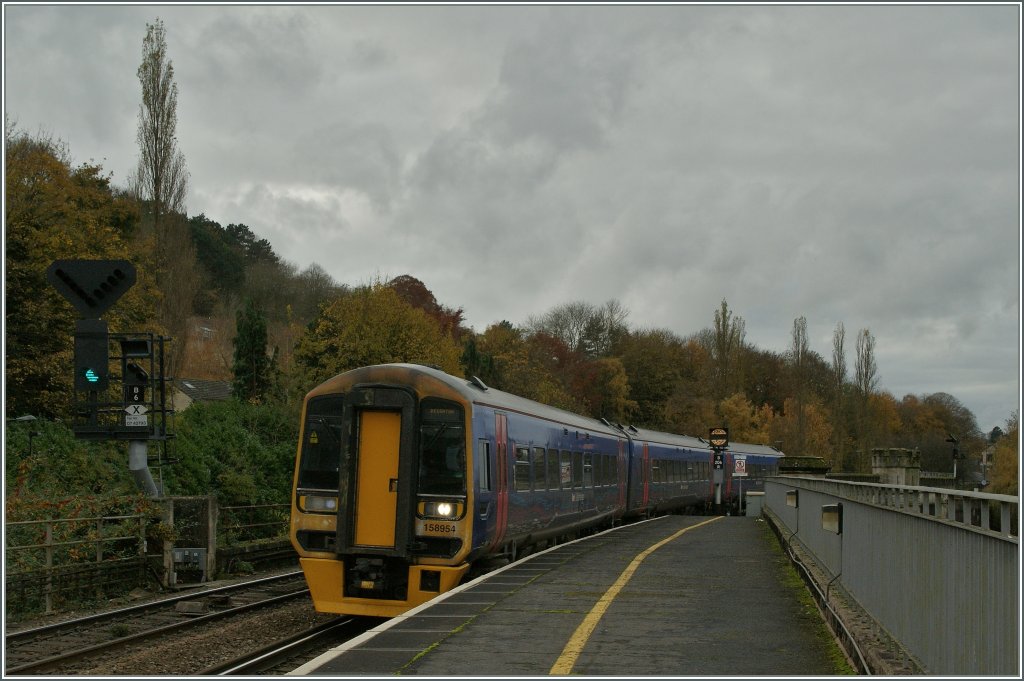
x=741, y=466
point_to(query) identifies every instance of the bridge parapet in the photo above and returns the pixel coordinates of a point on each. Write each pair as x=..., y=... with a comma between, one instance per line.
x=938, y=569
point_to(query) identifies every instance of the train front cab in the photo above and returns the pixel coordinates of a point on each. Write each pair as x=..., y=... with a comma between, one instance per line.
x=381, y=516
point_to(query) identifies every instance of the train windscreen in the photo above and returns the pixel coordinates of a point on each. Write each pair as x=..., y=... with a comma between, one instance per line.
x=321, y=444
x=442, y=449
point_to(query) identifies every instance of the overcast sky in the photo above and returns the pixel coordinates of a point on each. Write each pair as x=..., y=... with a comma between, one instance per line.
x=855, y=164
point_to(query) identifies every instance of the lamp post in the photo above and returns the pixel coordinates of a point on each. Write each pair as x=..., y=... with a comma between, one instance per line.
x=27, y=418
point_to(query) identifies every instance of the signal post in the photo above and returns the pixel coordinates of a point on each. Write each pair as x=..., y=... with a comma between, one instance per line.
x=92, y=287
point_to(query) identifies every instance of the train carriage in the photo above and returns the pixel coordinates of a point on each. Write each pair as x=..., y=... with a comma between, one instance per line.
x=407, y=478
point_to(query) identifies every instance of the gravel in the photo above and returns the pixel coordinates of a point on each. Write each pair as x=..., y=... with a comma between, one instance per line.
x=192, y=651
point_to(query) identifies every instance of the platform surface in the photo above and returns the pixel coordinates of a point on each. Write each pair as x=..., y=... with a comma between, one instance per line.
x=717, y=598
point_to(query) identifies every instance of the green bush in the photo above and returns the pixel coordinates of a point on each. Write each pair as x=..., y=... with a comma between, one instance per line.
x=243, y=453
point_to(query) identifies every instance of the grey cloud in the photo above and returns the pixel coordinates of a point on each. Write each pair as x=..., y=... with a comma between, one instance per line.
x=846, y=163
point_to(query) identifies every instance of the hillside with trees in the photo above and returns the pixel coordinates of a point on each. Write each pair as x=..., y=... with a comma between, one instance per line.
x=275, y=329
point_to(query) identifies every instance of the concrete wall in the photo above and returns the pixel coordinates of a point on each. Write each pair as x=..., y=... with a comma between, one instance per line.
x=948, y=590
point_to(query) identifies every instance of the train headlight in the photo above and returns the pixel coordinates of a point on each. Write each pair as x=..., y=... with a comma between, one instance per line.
x=441, y=509
x=314, y=504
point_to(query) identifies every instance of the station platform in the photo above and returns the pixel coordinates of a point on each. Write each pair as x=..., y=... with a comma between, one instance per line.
x=670, y=596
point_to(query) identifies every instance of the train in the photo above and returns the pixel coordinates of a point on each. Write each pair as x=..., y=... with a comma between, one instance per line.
x=409, y=480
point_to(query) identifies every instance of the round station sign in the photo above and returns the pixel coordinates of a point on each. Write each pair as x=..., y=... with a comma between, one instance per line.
x=719, y=437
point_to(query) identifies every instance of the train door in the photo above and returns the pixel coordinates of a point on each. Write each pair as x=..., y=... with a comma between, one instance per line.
x=646, y=466
x=620, y=473
x=378, y=474
x=377, y=479
x=501, y=479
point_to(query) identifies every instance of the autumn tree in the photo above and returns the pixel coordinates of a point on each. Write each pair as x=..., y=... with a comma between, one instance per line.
x=745, y=421
x=523, y=364
x=765, y=378
x=817, y=430
x=55, y=211
x=372, y=325
x=654, y=364
x=1006, y=461
x=415, y=293
x=602, y=387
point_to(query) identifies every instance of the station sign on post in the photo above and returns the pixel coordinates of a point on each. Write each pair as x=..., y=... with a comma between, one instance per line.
x=719, y=438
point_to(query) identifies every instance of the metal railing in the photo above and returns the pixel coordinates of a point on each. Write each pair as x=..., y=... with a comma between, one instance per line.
x=239, y=524
x=63, y=543
x=938, y=569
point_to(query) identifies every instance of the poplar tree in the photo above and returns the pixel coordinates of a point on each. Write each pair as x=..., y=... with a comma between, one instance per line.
x=838, y=388
x=161, y=178
x=865, y=381
x=798, y=353
x=160, y=183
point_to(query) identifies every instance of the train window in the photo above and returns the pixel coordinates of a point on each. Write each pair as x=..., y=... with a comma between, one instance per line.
x=588, y=470
x=442, y=448
x=322, y=443
x=602, y=470
x=565, y=470
x=553, y=469
x=577, y=469
x=522, y=472
x=483, y=466
x=539, y=469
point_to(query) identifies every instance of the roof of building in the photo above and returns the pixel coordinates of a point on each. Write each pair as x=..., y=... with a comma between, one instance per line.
x=202, y=390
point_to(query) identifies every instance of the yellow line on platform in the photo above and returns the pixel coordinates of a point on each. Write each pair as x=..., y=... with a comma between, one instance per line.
x=567, y=660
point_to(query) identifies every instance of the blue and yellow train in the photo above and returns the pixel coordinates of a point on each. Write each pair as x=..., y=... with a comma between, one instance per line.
x=407, y=478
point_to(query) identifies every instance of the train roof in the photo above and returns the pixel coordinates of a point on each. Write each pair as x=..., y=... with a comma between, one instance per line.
x=754, y=450
x=475, y=391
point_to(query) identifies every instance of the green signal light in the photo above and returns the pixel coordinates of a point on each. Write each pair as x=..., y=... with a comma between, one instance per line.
x=91, y=376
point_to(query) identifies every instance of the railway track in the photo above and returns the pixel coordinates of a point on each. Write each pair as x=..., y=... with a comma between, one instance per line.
x=54, y=646
x=285, y=655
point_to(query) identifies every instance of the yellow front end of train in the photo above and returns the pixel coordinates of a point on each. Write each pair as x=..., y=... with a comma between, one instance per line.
x=381, y=513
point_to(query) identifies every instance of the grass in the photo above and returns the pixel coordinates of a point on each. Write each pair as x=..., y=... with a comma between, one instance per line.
x=808, y=608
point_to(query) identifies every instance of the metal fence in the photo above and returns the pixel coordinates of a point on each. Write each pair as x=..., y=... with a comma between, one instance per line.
x=243, y=524
x=937, y=568
x=49, y=559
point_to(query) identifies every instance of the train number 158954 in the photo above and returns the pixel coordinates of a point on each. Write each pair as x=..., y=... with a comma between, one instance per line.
x=440, y=528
